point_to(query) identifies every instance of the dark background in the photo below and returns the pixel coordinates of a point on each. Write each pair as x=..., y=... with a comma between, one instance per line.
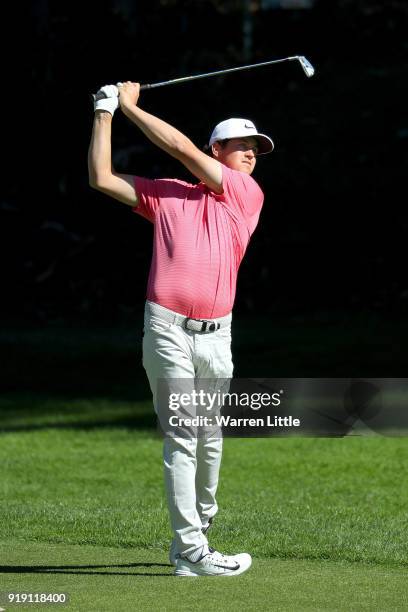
x=332, y=234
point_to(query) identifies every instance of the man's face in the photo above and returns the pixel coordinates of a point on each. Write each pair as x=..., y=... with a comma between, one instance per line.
x=238, y=153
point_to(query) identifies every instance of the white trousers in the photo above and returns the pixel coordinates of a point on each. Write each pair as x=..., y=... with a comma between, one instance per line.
x=191, y=466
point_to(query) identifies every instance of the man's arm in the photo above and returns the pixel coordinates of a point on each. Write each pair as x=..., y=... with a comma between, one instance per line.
x=101, y=174
x=169, y=139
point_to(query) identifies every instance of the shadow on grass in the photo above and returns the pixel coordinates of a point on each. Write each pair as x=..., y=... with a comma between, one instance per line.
x=79, y=569
x=25, y=412
x=148, y=425
x=67, y=378
x=73, y=362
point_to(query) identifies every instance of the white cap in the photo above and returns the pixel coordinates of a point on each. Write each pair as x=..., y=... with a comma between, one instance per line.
x=238, y=128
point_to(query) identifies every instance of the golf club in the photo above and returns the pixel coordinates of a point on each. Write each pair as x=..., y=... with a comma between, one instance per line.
x=306, y=65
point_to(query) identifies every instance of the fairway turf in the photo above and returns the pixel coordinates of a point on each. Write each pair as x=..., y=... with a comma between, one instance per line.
x=102, y=579
x=339, y=499
x=83, y=510
x=325, y=520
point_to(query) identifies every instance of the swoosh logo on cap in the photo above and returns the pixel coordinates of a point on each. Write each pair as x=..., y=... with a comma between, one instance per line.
x=250, y=125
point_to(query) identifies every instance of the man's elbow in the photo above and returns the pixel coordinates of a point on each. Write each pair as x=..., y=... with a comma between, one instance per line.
x=93, y=182
x=97, y=181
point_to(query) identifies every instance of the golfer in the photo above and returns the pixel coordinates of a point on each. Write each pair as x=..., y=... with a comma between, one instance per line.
x=201, y=232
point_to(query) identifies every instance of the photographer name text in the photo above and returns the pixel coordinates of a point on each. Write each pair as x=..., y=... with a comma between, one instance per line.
x=228, y=421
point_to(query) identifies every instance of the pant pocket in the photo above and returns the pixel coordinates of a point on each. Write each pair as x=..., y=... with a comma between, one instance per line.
x=156, y=324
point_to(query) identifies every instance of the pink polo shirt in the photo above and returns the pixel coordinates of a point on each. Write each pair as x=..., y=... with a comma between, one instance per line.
x=200, y=238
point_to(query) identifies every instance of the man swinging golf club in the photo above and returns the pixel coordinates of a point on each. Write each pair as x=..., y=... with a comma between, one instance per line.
x=201, y=232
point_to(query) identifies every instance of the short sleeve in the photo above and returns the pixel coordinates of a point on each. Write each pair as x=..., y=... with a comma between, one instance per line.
x=152, y=192
x=243, y=194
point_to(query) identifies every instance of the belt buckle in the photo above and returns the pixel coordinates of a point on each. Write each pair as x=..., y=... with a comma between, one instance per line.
x=206, y=326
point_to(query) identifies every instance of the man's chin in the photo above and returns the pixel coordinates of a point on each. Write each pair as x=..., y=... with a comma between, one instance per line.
x=246, y=168
x=242, y=167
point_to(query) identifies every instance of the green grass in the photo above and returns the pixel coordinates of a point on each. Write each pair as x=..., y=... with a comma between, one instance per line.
x=103, y=578
x=338, y=499
x=82, y=505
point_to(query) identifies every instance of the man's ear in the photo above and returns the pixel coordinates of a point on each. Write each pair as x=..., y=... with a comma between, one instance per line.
x=216, y=148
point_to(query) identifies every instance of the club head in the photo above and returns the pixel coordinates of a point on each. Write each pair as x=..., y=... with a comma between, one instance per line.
x=307, y=66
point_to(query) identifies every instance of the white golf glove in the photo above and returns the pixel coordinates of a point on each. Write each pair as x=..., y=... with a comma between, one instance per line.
x=106, y=99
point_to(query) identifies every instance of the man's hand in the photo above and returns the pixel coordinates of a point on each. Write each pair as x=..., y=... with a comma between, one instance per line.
x=128, y=94
x=107, y=99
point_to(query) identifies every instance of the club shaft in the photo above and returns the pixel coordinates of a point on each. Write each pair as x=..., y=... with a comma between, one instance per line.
x=307, y=67
x=217, y=72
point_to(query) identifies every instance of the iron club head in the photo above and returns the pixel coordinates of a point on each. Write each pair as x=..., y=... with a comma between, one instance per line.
x=306, y=65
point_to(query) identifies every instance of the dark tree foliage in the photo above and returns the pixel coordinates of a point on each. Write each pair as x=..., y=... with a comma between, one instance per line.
x=333, y=229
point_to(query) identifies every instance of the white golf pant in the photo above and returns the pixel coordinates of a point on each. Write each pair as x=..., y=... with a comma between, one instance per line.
x=191, y=466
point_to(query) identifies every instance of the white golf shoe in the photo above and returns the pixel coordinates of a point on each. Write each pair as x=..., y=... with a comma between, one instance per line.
x=173, y=554
x=214, y=564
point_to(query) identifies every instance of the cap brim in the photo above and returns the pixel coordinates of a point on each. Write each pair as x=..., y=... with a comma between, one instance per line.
x=265, y=144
